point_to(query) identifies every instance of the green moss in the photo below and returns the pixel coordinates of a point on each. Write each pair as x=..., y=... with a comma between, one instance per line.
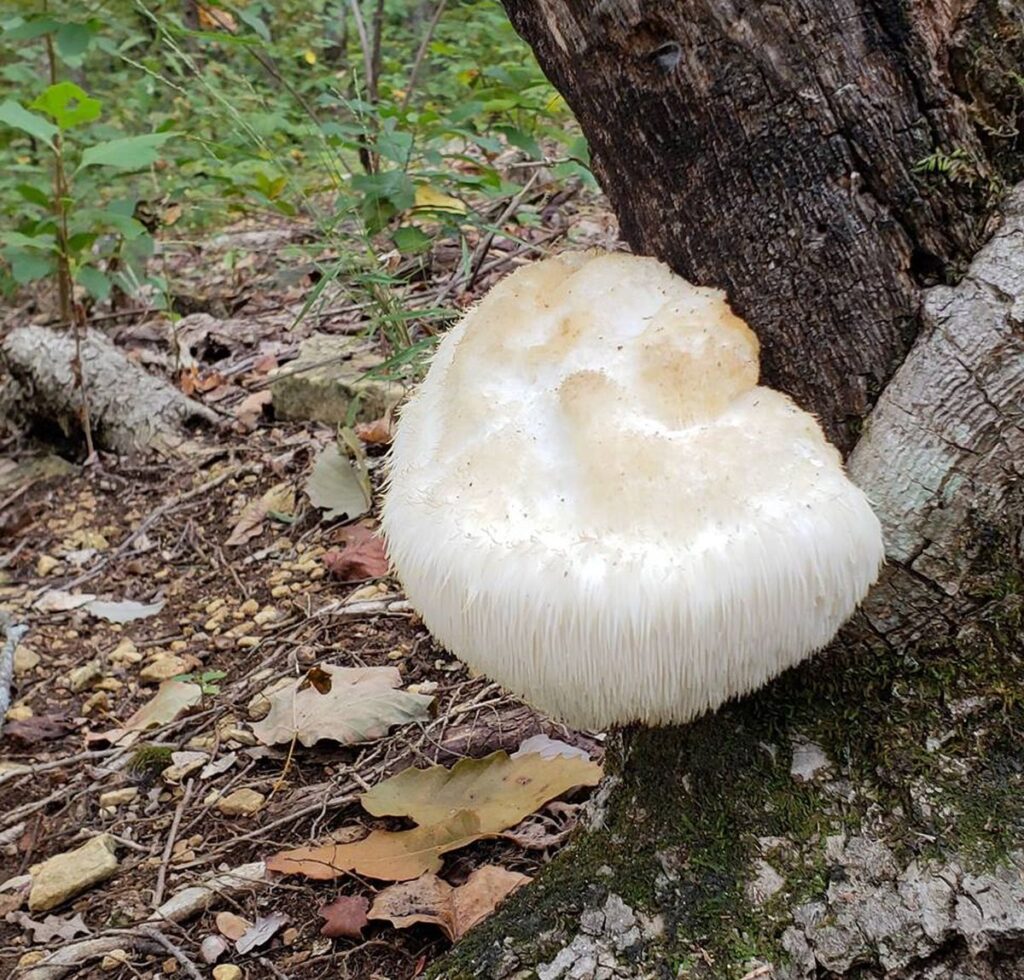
x=987, y=71
x=148, y=761
x=927, y=743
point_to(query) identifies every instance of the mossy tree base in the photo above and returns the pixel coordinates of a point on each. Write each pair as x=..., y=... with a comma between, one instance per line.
x=712, y=849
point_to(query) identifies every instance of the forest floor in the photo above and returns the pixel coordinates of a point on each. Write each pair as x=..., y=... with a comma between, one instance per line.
x=228, y=620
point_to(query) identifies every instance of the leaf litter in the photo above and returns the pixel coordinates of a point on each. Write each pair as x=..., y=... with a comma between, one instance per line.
x=475, y=799
x=248, y=592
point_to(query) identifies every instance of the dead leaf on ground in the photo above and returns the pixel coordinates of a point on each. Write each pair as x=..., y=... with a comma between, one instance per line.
x=279, y=499
x=56, y=600
x=261, y=931
x=38, y=728
x=475, y=798
x=335, y=487
x=353, y=705
x=250, y=409
x=362, y=556
x=53, y=927
x=345, y=917
x=216, y=18
x=379, y=432
x=171, y=700
x=455, y=910
x=123, y=612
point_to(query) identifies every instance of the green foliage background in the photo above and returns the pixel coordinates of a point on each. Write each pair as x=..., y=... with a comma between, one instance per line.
x=262, y=108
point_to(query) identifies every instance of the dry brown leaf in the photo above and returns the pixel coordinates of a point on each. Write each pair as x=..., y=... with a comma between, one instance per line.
x=346, y=704
x=52, y=928
x=346, y=917
x=216, y=18
x=455, y=910
x=379, y=432
x=475, y=798
x=362, y=556
x=38, y=728
x=250, y=408
x=279, y=499
x=172, y=699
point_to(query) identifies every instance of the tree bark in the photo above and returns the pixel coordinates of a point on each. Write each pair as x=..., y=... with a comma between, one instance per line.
x=837, y=166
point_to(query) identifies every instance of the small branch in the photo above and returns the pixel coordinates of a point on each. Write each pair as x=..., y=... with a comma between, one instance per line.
x=165, y=860
x=364, y=41
x=155, y=516
x=69, y=760
x=176, y=951
x=421, y=51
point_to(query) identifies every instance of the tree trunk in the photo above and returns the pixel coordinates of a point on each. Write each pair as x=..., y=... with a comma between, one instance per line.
x=841, y=168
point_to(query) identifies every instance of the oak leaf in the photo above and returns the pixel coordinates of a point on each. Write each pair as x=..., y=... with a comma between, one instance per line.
x=348, y=705
x=474, y=799
x=279, y=499
x=455, y=910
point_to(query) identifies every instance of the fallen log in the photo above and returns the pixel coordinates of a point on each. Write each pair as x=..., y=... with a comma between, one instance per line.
x=130, y=410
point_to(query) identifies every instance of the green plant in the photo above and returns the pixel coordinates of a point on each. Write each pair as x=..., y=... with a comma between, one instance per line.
x=387, y=141
x=207, y=680
x=70, y=227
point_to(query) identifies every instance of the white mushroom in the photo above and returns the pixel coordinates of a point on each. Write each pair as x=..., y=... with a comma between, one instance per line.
x=593, y=503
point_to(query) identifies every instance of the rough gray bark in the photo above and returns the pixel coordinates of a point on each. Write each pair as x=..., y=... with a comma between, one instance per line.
x=130, y=410
x=825, y=161
x=943, y=453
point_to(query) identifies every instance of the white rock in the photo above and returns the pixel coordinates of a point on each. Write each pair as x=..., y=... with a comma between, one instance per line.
x=809, y=759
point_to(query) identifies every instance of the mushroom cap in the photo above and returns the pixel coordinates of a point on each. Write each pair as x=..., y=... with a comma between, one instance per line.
x=593, y=503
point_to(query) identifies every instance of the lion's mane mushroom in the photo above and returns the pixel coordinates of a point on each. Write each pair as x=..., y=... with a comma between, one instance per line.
x=593, y=502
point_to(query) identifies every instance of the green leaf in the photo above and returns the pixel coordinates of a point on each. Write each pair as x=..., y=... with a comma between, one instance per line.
x=31, y=27
x=410, y=240
x=108, y=217
x=128, y=153
x=95, y=281
x=253, y=21
x=42, y=243
x=28, y=266
x=34, y=195
x=67, y=104
x=14, y=114
x=73, y=41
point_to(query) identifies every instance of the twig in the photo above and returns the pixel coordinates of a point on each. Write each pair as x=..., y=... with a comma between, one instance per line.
x=345, y=798
x=177, y=909
x=364, y=39
x=176, y=951
x=421, y=51
x=371, y=607
x=484, y=247
x=68, y=760
x=165, y=860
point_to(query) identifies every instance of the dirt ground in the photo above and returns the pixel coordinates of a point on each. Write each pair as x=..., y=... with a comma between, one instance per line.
x=234, y=619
